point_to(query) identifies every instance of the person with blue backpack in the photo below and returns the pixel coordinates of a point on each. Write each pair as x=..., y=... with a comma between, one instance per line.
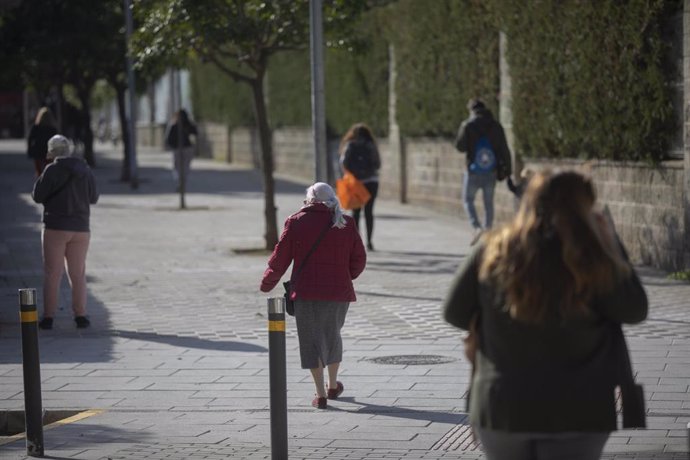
x=482, y=139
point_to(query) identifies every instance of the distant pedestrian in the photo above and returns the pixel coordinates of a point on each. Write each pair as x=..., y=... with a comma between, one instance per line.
x=483, y=141
x=548, y=292
x=43, y=129
x=178, y=140
x=360, y=156
x=323, y=290
x=66, y=189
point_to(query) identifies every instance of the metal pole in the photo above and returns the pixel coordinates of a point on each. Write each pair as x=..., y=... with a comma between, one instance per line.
x=33, y=411
x=131, y=89
x=278, y=379
x=323, y=173
x=180, y=148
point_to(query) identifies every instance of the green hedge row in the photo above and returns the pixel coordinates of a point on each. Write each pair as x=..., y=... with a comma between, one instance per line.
x=446, y=53
x=356, y=89
x=589, y=79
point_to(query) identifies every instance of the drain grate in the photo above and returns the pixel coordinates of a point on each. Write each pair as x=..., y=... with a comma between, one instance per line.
x=459, y=437
x=412, y=360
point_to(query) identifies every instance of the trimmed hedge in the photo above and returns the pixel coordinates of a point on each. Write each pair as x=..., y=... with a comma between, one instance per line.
x=217, y=98
x=589, y=78
x=446, y=53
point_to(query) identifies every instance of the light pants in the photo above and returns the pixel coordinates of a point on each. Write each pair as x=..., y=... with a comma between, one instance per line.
x=471, y=185
x=505, y=445
x=182, y=160
x=62, y=249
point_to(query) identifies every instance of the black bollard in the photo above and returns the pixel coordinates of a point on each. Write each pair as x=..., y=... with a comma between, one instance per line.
x=33, y=411
x=278, y=379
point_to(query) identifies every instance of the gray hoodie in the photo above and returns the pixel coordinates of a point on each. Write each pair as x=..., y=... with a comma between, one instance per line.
x=66, y=189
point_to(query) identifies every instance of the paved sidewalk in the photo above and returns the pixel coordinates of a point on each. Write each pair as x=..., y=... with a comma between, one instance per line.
x=177, y=357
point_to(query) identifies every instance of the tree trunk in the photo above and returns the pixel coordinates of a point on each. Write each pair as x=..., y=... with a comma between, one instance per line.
x=271, y=235
x=124, y=128
x=86, y=127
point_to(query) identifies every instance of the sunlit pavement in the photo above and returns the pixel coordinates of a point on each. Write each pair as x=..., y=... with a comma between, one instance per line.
x=177, y=355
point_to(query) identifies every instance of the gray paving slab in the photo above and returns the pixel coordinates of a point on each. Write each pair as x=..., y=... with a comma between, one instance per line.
x=177, y=354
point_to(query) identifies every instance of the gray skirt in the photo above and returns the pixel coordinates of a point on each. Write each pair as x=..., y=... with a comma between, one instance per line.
x=318, y=329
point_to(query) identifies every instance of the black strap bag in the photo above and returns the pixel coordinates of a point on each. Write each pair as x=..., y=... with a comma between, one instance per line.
x=632, y=394
x=289, y=303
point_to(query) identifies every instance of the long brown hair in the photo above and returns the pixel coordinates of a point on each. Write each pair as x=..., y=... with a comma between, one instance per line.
x=356, y=131
x=555, y=253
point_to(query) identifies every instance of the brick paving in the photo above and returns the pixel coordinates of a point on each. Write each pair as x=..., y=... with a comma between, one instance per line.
x=177, y=355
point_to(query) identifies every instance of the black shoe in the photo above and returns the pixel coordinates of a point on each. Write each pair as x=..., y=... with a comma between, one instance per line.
x=370, y=246
x=82, y=322
x=46, y=323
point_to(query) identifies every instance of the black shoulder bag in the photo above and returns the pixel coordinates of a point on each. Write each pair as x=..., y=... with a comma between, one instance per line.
x=289, y=303
x=632, y=394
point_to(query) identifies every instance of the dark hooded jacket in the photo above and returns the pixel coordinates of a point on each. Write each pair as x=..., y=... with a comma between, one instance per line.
x=66, y=189
x=482, y=123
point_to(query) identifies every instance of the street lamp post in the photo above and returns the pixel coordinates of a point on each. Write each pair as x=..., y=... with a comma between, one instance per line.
x=134, y=179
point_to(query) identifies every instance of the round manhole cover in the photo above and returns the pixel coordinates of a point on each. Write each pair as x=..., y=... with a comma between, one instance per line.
x=412, y=360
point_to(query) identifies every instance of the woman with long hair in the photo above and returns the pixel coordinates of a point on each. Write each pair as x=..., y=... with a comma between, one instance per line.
x=545, y=290
x=43, y=129
x=178, y=140
x=326, y=253
x=360, y=156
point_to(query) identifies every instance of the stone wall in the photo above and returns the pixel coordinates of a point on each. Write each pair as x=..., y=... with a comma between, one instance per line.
x=293, y=153
x=149, y=135
x=645, y=202
x=245, y=147
x=214, y=141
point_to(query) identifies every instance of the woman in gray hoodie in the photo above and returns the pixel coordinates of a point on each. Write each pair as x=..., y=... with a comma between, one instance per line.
x=66, y=188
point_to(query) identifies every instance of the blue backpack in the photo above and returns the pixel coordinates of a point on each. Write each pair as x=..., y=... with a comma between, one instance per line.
x=484, y=157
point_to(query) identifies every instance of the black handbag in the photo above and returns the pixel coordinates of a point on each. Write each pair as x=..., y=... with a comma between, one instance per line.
x=289, y=303
x=632, y=394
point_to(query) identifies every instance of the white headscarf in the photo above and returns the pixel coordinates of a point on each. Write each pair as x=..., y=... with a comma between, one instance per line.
x=323, y=193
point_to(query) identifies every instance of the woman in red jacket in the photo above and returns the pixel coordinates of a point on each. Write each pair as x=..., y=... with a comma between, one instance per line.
x=323, y=288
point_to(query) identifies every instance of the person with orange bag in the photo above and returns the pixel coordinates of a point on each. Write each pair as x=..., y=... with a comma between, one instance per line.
x=359, y=156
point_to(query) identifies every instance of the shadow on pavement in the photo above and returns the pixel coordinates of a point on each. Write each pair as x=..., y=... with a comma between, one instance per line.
x=190, y=342
x=21, y=267
x=397, y=296
x=202, y=179
x=451, y=418
x=414, y=262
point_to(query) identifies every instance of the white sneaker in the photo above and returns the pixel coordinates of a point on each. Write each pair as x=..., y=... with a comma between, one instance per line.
x=475, y=237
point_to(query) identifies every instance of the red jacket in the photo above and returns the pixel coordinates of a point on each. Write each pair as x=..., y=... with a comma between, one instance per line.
x=337, y=260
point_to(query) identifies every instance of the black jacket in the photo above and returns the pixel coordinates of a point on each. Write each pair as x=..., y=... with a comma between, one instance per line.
x=482, y=123
x=361, y=158
x=66, y=189
x=551, y=377
x=172, y=139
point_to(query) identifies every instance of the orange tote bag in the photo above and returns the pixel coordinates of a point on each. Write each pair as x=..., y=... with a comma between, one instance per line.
x=351, y=192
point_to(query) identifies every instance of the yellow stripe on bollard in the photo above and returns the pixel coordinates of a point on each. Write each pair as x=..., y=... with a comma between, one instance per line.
x=276, y=326
x=28, y=316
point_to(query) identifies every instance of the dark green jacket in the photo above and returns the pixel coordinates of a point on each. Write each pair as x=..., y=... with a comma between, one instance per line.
x=554, y=377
